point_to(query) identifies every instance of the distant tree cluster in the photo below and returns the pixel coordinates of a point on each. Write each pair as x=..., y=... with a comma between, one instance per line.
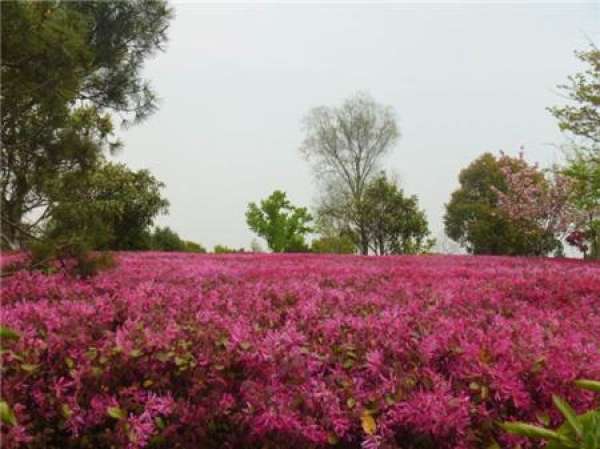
x=360, y=210
x=475, y=219
x=165, y=239
x=506, y=205
x=393, y=224
x=359, y=203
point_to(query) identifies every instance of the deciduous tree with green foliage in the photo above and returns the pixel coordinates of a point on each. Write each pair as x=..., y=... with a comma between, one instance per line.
x=281, y=224
x=395, y=224
x=334, y=236
x=581, y=117
x=108, y=208
x=112, y=204
x=334, y=244
x=474, y=219
x=165, y=239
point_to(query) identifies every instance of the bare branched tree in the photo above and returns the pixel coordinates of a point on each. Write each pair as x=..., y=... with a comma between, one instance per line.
x=346, y=145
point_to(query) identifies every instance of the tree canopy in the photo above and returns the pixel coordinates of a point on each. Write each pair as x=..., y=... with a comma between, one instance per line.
x=112, y=207
x=581, y=117
x=394, y=222
x=68, y=69
x=334, y=244
x=280, y=223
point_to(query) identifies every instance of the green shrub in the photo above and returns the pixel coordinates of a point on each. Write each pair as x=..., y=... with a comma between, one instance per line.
x=341, y=244
x=193, y=247
x=222, y=249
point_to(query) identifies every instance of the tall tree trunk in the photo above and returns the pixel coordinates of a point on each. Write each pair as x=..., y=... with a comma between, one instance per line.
x=364, y=243
x=595, y=247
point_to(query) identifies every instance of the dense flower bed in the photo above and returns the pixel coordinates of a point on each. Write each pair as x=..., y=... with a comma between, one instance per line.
x=299, y=351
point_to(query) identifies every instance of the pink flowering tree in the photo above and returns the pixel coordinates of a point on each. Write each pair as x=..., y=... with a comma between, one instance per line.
x=543, y=198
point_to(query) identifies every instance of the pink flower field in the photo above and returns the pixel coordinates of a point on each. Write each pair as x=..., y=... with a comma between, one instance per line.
x=296, y=351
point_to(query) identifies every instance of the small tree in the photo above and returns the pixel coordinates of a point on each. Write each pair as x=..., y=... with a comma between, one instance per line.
x=123, y=201
x=395, y=225
x=280, y=223
x=581, y=117
x=107, y=208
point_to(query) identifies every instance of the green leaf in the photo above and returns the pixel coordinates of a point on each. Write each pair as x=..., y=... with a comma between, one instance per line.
x=6, y=414
x=586, y=384
x=8, y=333
x=569, y=415
x=116, y=412
x=529, y=430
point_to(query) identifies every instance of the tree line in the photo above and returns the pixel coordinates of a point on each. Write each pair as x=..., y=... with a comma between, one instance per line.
x=504, y=205
x=72, y=72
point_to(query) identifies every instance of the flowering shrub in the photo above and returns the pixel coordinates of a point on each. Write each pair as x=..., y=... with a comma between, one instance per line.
x=301, y=351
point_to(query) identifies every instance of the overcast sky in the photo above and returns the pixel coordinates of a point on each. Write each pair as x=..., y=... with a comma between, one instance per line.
x=235, y=82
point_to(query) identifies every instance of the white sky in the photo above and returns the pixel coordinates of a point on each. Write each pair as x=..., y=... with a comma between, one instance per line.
x=236, y=80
